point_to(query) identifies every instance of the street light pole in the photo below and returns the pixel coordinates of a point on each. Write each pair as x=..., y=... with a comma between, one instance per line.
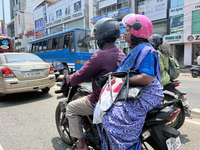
x=3, y=18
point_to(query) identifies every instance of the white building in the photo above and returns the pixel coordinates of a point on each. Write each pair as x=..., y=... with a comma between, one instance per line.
x=191, y=36
x=21, y=26
x=60, y=16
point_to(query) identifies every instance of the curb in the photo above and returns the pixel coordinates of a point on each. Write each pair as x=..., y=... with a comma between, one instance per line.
x=185, y=74
x=195, y=113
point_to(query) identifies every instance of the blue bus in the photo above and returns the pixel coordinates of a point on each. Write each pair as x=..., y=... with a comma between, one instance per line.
x=73, y=46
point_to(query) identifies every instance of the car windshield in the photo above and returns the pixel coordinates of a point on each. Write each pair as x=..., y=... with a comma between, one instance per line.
x=22, y=58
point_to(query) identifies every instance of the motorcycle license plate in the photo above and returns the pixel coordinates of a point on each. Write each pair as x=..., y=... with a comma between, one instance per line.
x=185, y=103
x=173, y=143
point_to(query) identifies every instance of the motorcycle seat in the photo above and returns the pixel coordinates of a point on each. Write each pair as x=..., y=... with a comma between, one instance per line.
x=155, y=110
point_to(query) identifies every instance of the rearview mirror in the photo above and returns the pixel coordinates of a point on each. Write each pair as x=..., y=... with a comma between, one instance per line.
x=57, y=65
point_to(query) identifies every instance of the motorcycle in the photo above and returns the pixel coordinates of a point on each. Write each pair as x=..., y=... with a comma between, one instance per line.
x=195, y=71
x=182, y=103
x=155, y=132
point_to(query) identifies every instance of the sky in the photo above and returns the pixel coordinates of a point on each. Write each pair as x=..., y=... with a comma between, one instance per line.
x=6, y=11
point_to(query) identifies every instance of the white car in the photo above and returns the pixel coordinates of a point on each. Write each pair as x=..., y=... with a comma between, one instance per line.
x=24, y=72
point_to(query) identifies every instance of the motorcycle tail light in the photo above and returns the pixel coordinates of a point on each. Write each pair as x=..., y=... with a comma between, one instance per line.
x=176, y=84
x=173, y=115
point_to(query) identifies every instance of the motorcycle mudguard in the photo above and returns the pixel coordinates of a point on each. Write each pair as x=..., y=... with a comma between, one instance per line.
x=170, y=132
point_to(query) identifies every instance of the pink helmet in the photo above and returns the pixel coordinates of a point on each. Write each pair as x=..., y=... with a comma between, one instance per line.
x=141, y=26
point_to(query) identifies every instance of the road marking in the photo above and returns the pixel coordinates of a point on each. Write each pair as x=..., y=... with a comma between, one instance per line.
x=195, y=122
x=1, y=148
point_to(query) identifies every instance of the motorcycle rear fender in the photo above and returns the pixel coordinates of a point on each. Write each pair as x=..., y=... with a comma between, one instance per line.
x=158, y=137
x=170, y=132
x=176, y=91
x=62, y=104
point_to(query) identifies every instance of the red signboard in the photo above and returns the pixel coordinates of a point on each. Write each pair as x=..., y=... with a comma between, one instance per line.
x=39, y=34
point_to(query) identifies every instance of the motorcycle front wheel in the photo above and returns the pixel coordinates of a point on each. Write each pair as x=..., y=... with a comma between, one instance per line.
x=180, y=119
x=62, y=125
x=194, y=75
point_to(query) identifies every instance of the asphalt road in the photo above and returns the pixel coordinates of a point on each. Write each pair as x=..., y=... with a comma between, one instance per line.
x=27, y=121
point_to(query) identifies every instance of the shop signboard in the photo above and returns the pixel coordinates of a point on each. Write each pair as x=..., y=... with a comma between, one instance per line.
x=173, y=38
x=39, y=34
x=124, y=11
x=77, y=15
x=39, y=25
x=175, y=12
x=194, y=38
x=114, y=14
x=153, y=9
x=122, y=30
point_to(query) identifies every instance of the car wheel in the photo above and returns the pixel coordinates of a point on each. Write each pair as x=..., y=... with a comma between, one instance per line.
x=45, y=90
x=2, y=98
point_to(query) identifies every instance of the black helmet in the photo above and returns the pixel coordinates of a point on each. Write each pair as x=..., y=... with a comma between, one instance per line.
x=106, y=28
x=156, y=40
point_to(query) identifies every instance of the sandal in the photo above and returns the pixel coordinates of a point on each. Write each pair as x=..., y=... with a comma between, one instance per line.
x=74, y=147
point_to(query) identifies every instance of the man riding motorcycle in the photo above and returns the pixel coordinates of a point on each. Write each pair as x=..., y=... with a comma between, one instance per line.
x=105, y=31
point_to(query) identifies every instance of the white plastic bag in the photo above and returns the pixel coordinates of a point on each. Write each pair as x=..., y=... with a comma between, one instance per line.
x=105, y=100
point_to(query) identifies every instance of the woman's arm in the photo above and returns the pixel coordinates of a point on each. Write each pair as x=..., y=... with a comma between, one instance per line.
x=142, y=79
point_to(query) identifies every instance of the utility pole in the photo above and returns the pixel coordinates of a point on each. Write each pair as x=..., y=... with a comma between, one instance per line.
x=4, y=31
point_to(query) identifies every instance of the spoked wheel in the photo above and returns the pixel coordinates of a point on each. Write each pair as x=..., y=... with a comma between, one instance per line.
x=194, y=75
x=180, y=119
x=63, y=126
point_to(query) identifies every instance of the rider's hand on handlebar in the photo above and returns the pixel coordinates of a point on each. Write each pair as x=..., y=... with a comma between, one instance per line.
x=61, y=78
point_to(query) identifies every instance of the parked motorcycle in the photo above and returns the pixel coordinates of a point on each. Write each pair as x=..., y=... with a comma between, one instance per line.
x=170, y=93
x=155, y=131
x=195, y=71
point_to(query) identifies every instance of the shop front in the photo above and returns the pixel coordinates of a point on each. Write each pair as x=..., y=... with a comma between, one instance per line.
x=177, y=46
x=194, y=47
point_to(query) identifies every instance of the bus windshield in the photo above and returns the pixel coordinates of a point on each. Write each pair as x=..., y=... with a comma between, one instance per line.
x=5, y=44
x=85, y=43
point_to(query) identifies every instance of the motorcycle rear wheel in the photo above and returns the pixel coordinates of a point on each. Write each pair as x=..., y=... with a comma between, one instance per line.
x=180, y=119
x=62, y=124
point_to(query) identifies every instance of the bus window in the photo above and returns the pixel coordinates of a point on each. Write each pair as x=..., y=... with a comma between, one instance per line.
x=5, y=44
x=40, y=46
x=66, y=41
x=60, y=42
x=55, y=43
x=44, y=45
x=36, y=47
x=71, y=44
x=49, y=44
x=33, y=48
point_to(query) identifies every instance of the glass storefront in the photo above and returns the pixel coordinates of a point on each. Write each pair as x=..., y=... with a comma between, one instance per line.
x=195, y=53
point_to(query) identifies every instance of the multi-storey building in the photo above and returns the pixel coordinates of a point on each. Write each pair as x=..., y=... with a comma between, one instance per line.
x=21, y=26
x=50, y=18
x=191, y=34
x=113, y=9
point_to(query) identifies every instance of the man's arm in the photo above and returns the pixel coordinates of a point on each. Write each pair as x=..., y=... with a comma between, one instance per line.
x=87, y=71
